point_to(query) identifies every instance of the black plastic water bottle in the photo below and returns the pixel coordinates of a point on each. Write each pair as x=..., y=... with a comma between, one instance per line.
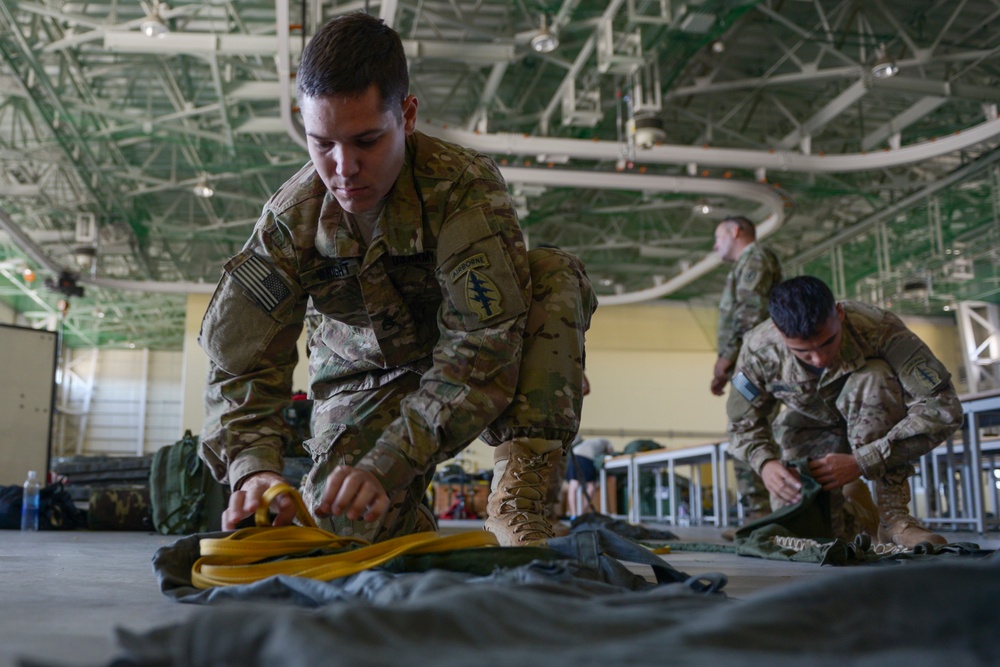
x=30, y=502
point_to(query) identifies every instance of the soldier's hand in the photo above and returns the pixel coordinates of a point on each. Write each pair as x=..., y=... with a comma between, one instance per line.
x=246, y=500
x=720, y=375
x=354, y=493
x=781, y=481
x=835, y=470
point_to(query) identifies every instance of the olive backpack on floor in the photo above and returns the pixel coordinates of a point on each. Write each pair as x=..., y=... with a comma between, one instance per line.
x=184, y=496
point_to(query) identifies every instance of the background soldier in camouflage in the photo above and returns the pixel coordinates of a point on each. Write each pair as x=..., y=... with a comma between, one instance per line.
x=862, y=395
x=432, y=322
x=743, y=306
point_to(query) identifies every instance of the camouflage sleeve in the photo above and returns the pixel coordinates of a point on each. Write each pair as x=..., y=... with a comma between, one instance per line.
x=484, y=278
x=753, y=279
x=748, y=409
x=249, y=333
x=727, y=344
x=933, y=413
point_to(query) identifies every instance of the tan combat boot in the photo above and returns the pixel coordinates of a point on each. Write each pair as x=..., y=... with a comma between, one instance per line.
x=907, y=532
x=516, y=506
x=896, y=526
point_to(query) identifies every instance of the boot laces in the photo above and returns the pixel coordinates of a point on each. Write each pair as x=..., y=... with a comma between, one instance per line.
x=526, y=512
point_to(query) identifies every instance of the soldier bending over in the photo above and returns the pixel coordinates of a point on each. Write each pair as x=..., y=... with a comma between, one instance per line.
x=433, y=325
x=863, y=396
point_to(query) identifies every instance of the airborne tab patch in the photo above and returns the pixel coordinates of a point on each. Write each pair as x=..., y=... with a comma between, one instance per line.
x=743, y=385
x=261, y=282
x=475, y=262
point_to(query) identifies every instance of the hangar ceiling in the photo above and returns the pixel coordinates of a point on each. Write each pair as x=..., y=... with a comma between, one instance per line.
x=648, y=122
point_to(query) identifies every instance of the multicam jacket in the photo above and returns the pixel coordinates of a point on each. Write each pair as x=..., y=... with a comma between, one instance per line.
x=442, y=290
x=767, y=373
x=745, y=296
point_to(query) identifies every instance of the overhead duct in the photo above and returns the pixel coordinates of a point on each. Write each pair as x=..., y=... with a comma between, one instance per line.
x=732, y=158
x=765, y=195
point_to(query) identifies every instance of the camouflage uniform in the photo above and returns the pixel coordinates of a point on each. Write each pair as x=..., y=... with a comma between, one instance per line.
x=888, y=400
x=442, y=327
x=742, y=307
x=745, y=296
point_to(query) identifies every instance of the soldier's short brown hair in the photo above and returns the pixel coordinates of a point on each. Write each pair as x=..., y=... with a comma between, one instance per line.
x=746, y=227
x=349, y=54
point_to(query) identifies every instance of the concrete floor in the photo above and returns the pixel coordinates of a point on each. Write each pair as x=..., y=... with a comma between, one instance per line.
x=63, y=594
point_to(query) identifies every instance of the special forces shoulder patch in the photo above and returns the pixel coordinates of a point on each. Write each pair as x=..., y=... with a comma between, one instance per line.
x=481, y=296
x=747, y=389
x=261, y=282
x=750, y=278
x=921, y=375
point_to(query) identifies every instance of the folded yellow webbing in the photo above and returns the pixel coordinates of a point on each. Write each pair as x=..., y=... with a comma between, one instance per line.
x=244, y=556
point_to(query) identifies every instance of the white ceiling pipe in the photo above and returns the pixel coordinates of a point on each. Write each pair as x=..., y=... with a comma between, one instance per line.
x=284, y=65
x=202, y=43
x=763, y=194
x=733, y=158
x=150, y=286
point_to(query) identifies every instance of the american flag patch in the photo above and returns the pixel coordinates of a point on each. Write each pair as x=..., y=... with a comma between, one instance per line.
x=743, y=385
x=261, y=282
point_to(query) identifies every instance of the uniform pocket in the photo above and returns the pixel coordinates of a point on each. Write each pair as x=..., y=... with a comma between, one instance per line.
x=325, y=439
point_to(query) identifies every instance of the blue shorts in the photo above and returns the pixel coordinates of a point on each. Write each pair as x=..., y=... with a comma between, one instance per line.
x=581, y=468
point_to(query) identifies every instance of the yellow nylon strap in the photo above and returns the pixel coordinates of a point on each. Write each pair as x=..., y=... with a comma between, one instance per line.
x=262, y=518
x=244, y=556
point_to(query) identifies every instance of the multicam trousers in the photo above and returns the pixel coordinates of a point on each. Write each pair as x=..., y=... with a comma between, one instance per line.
x=546, y=404
x=871, y=403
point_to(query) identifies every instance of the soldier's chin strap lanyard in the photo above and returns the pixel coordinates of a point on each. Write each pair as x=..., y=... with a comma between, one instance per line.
x=251, y=554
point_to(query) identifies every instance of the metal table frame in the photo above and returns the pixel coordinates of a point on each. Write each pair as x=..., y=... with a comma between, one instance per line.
x=712, y=454
x=959, y=464
x=971, y=465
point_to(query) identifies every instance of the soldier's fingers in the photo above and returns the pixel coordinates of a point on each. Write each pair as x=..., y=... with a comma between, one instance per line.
x=330, y=491
x=791, y=480
x=378, y=508
x=790, y=488
x=236, y=510
x=354, y=498
x=285, y=510
x=342, y=487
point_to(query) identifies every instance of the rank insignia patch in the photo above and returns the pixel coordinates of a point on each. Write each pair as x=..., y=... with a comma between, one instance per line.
x=261, y=282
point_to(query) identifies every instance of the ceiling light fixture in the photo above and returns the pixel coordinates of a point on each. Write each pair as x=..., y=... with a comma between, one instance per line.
x=154, y=25
x=203, y=189
x=884, y=66
x=545, y=41
x=703, y=207
x=85, y=257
